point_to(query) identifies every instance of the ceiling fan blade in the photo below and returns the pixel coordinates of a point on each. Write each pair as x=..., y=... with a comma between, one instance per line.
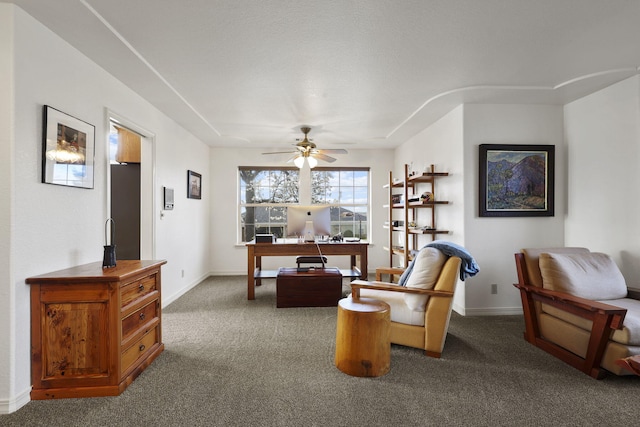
x=279, y=152
x=334, y=151
x=324, y=157
x=292, y=158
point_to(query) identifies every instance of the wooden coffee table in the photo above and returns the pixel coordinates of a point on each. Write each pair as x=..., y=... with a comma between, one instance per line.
x=310, y=287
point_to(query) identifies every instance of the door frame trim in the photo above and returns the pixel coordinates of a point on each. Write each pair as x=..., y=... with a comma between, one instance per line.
x=147, y=251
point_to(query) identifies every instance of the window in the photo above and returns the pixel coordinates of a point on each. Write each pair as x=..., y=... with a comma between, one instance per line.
x=347, y=191
x=266, y=192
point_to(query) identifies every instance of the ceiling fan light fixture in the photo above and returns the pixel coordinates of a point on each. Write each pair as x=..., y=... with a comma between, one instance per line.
x=313, y=162
x=306, y=149
x=299, y=162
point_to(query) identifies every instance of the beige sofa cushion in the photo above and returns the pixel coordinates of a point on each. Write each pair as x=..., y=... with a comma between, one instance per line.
x=426, y=269
x=628, y=335
x=532, y=260
x=400, y=312
x=592, y=275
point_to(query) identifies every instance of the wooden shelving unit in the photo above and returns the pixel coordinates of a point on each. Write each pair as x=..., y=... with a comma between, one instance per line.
x=410, y=187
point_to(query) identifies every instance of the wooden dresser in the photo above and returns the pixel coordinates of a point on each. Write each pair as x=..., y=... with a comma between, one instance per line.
x=94, y=330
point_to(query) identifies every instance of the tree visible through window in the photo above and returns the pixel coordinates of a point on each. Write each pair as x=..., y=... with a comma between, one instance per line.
x=265, y=194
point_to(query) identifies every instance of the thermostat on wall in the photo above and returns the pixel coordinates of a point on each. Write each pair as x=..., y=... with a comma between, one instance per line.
x=168, y=198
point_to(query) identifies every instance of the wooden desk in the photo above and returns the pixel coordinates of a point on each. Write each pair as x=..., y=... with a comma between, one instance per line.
x=255, y=252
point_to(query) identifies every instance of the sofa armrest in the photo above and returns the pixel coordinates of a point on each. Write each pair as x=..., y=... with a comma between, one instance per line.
x=388, y=270
x=605, y=318
x=582, y=307
x=356, y=285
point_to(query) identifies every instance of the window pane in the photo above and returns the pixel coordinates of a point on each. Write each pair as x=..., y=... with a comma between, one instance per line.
x=346, y=178
x=348, y=192
x=361, y=178
x=268, y=188
x=320, y=186
x=334, y=196
x=361, y=195
x=334, y=179
x=346, y=195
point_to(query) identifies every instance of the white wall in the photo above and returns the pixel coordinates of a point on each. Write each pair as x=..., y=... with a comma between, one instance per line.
x=54, y=227
x=7, y=294
x=452, y=144
x=229, y=258
x=493, y=241
x=441, y=144
x=603, y=138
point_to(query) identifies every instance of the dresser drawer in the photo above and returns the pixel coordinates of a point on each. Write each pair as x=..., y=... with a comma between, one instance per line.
x=135, y=320
x=139, y=349
x=137, y=289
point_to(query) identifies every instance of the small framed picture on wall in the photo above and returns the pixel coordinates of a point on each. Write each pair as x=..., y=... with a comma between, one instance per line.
x=194, y=185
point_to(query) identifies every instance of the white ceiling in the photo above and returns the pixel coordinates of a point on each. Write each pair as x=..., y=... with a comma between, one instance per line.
x=361, y=73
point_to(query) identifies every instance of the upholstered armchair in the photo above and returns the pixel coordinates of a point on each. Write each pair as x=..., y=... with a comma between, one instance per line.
x=577, y=308
x=420, y=310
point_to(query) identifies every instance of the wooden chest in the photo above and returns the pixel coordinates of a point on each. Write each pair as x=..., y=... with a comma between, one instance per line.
x=321, y=287
x=94, y=330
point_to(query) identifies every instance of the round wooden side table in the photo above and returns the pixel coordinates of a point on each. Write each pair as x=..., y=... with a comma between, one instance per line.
x=363, y=346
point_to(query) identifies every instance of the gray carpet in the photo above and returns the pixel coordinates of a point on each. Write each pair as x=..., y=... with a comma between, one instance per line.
x=233, y=362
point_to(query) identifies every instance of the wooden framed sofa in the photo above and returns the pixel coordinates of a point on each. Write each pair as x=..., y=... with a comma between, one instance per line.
x=577, y=308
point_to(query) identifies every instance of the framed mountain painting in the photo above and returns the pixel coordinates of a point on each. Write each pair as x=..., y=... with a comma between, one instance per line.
x=516, y=180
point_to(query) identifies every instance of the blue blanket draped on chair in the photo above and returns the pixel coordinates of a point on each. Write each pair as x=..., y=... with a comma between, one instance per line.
x=468, y=268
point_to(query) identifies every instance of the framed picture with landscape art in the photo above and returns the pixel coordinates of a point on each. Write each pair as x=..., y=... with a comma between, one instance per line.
x=516, y=180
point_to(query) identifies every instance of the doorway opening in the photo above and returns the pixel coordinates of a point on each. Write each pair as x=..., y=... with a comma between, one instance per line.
x=131, y=189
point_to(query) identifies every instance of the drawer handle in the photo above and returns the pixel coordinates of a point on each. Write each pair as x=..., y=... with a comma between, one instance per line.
x=140, y=287
x=142, y=347
x=141, y=316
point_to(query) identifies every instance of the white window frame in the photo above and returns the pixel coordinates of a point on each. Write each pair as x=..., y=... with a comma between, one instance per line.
x=349, y=216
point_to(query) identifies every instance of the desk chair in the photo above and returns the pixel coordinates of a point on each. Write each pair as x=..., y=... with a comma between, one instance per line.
x=301, y=259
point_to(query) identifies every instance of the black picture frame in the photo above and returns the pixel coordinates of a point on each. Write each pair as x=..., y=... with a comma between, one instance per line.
x=194, y=185
x=68, y=150
x=516, y=180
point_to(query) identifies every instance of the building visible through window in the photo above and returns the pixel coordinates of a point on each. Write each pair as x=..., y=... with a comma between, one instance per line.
x=265, y=193
x=347, y=191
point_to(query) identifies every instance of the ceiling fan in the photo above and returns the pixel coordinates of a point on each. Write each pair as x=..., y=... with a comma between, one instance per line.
x=306, y=149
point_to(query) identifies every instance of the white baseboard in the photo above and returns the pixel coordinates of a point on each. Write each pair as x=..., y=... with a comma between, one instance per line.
x=484, y=311
x=371, y=275
x=487, y=311
x=15, y=403
x=228, y=273
x=168, y=299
